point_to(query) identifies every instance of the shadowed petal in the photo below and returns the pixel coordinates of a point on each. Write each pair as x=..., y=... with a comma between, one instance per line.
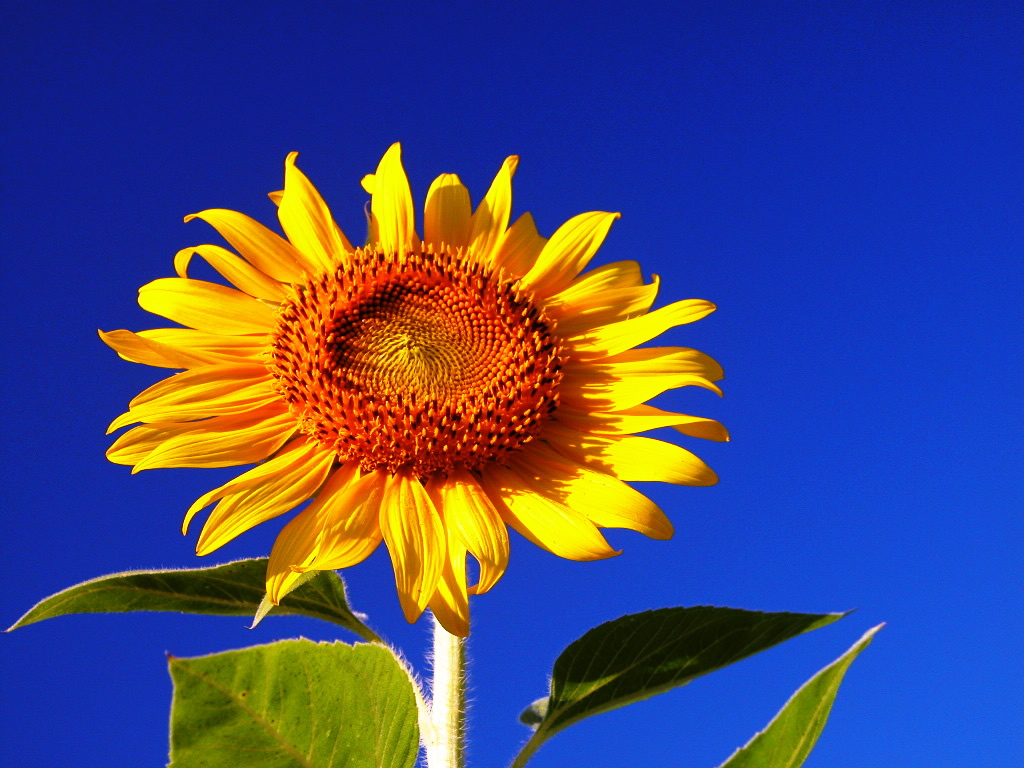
x=469, y=513
x=520, y=248
x=450, y=603
x=232, y=268
x=349, y=511
x=641, y=418
x=270, y=253
x=606, y=501
x=446, y=215
x=416, y=539
x=617, y=337
x=631, y=458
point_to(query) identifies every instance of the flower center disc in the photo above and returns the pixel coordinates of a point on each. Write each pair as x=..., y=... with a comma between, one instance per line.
x=429, y=361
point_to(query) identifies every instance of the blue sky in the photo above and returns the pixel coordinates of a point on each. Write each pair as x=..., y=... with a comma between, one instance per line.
x=843, y=180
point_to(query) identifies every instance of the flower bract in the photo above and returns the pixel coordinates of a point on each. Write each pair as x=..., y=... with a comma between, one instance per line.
x=428, y=392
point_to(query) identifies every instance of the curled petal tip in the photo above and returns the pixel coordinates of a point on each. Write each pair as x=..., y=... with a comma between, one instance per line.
x=411, y=610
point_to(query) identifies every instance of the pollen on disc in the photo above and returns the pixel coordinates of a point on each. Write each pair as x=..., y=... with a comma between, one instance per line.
x=432, y=363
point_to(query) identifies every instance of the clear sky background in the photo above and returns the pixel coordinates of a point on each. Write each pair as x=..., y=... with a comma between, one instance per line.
x=845, y=181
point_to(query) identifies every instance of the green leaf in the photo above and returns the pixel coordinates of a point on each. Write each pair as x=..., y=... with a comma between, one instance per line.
x=790, y=736
x=233, y=589
x=294, y=704
x=643, y=654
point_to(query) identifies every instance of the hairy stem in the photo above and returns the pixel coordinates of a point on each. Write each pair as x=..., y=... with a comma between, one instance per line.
x=445, y=741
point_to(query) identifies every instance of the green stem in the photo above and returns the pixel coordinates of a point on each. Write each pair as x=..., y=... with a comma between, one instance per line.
x=445, y=740
x=527, y=751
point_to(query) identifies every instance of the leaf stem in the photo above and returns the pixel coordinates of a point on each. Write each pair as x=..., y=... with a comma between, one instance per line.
x=445, y=741
x=527, y=751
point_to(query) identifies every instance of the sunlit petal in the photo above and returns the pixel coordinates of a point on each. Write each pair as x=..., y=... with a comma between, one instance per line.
x=568, y=252
x=491, y=217
x=393, y=219
x=306, y=220
x=206, y=306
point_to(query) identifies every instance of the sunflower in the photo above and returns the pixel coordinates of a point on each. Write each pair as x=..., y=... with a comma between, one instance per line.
x=427, y=392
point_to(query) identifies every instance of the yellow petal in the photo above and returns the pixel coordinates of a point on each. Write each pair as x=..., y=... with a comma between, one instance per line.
x=630, y=458
x=270, y=253
x=568, y=252
x=199, y=401
x=206, y=306
x=547, y=523
x=307, y=221
x=213, y=347
x=606, y=501
x=223, y=441
x=295, y=544
x=653, y=361
x=641, y=418
x=349, y=510
x=137, y=349
x=243, y=276
x=617, y=337
x=607, y=277
x=616, y=276
x=299, y=453
x=136, y=444
x=472, y=517
x=446, y=215
x=237, y=512
x=601, y=308
x=210, y=380
x=520, y=247
x=450, y=603
x=416, y=539
x=492, y=215
x=599, y=390
x=393, y=217
x=167, y=443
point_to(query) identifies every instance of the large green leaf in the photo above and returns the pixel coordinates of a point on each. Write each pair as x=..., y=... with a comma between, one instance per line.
x=233, y=589
x=294, y=704
x=790, y=736
x=637, y=656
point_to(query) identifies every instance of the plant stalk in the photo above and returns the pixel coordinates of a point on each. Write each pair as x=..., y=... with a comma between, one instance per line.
x=445, y=743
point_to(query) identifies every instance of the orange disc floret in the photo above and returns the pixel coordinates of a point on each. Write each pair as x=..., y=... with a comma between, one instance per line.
x=427, y=360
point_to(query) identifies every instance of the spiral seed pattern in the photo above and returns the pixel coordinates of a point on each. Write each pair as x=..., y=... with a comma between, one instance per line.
x=426, y=361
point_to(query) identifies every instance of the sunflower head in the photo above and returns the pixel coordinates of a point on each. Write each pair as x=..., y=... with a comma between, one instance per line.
x=429, y=362
x=425, y=392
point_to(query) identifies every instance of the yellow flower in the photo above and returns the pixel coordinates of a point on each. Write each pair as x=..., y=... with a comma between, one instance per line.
x=427, y=392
